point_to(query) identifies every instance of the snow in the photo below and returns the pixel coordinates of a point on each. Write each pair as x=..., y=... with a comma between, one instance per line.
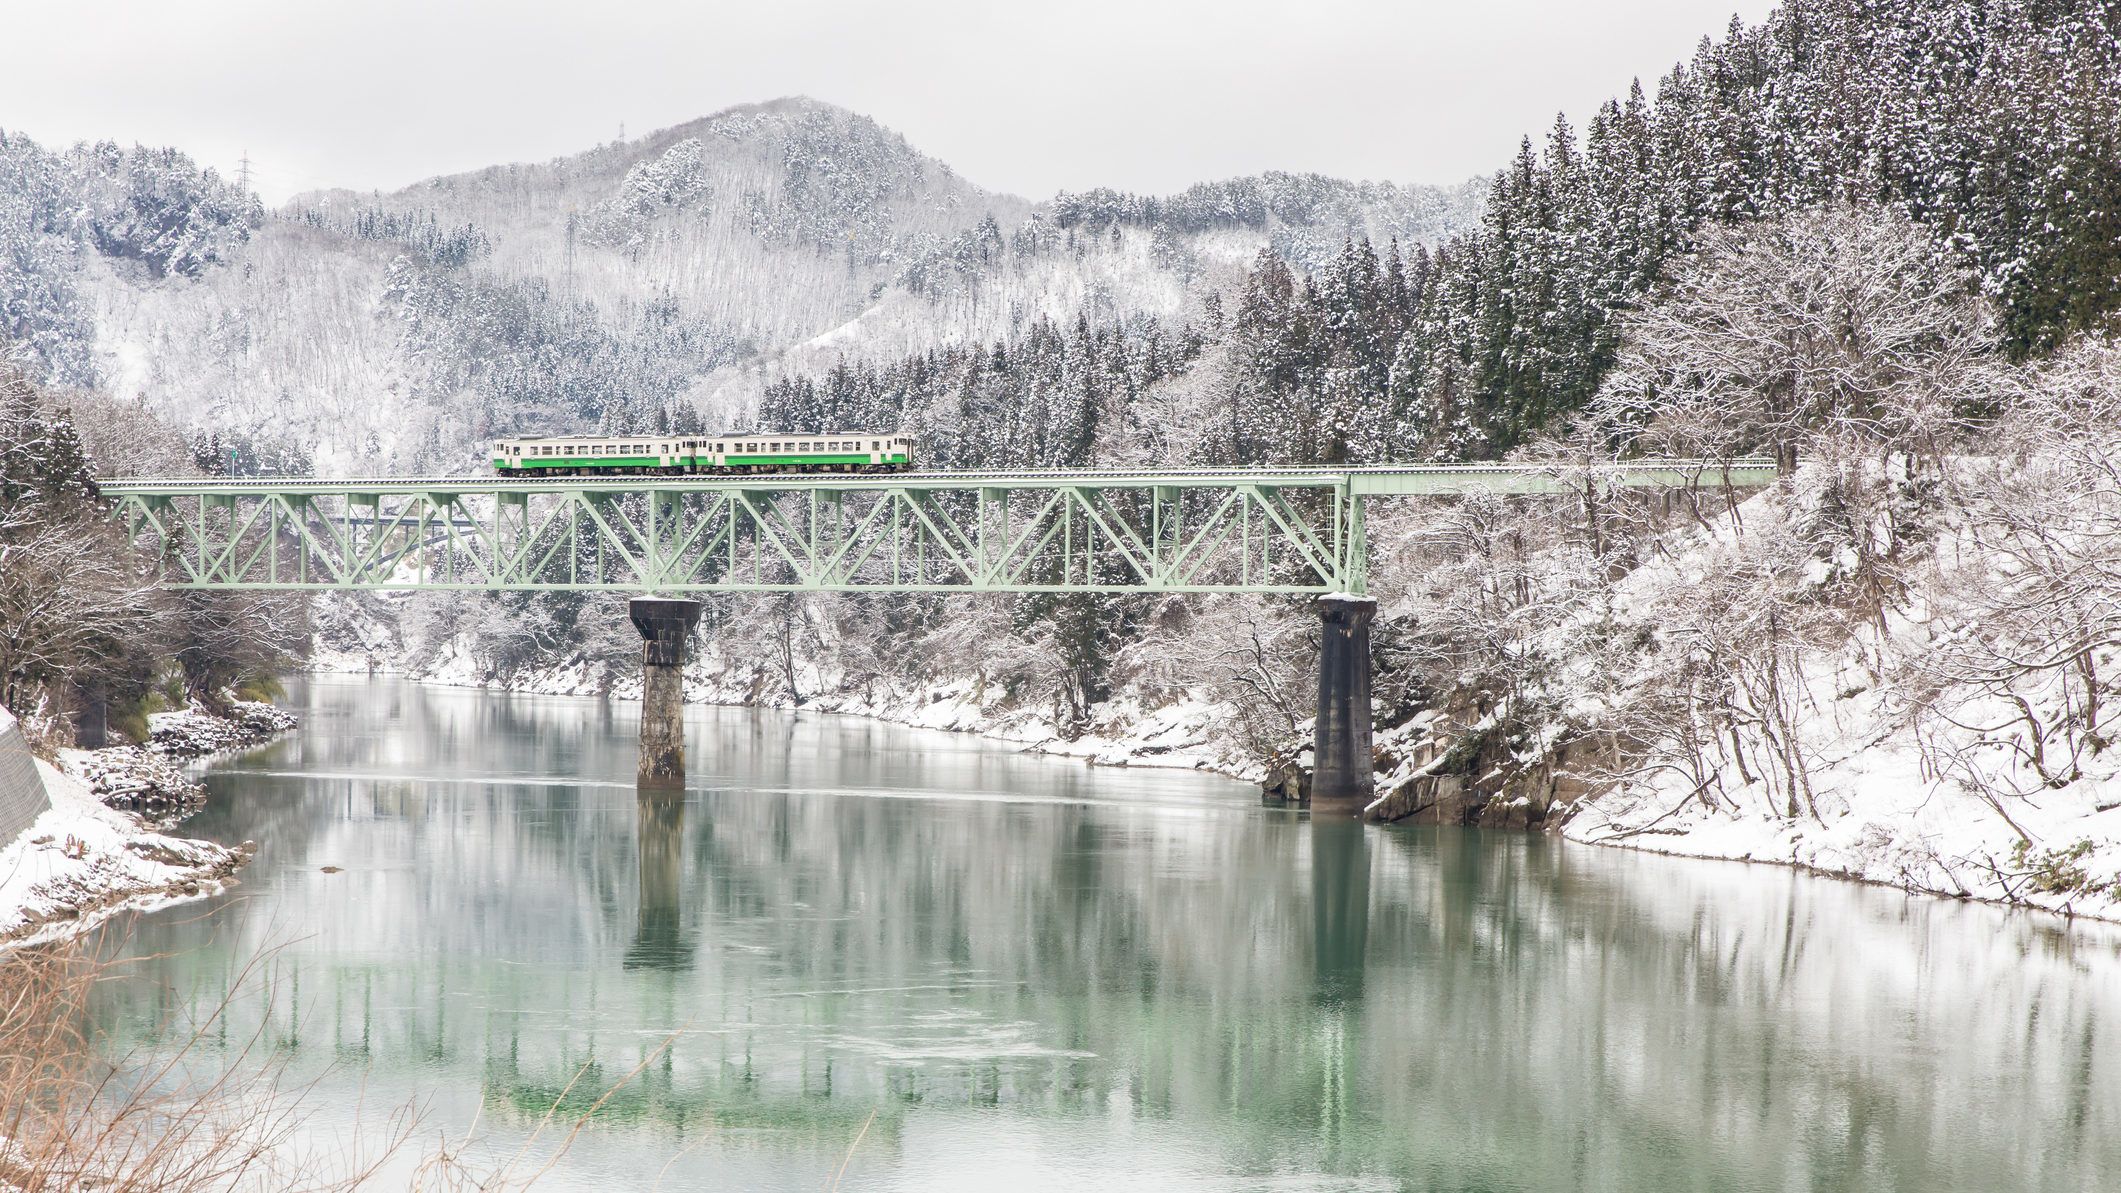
x=1887, y=809
x=1883, y=819
x=82, y=863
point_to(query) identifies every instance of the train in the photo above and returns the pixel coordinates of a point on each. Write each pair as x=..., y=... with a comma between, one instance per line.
x=709, y=455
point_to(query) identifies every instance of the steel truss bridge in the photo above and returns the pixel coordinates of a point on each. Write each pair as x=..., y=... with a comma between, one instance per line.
x=1296, y=531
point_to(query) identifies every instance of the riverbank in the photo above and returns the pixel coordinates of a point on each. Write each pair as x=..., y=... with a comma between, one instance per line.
x=96, y=850
x=1124, y=731
x=1882, y=816
x=151, y=779
x=81, y=863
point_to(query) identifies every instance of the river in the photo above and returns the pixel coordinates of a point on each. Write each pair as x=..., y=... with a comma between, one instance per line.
x=901, y=959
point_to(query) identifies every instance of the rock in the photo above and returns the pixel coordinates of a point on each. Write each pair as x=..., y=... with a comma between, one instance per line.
x=1287, y=781
x=148, y=779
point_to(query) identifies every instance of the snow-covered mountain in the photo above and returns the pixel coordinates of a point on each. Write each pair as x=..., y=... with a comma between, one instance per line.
x=670, y=275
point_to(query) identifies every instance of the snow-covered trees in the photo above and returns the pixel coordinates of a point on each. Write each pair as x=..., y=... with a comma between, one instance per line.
x=2011, y=678
x=1839, y=321
x=79, y=609
x=1993, y=126
x=153, y=207
x=1054, y=397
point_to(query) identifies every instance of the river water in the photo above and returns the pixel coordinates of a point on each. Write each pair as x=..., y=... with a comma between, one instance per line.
x=897, y=959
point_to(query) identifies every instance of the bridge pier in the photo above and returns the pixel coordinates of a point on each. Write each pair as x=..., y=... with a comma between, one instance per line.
x=1343, y=778
x=664, y=626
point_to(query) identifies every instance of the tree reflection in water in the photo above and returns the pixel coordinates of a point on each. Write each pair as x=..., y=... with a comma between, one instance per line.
x=1030, y=969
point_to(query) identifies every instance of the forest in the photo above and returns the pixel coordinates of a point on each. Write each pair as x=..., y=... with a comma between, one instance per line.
x=1878, y=239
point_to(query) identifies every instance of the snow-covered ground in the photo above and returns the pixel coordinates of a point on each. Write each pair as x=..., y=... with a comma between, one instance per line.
x=1922, y=744
x=82, y=862
x=1885, y=815
x=89, y=856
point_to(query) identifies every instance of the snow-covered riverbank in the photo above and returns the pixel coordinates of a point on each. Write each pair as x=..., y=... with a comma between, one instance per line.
x=1883, y=814
x=1123, y=732
x=91, y=855
x=82, y=862
x=151, y=779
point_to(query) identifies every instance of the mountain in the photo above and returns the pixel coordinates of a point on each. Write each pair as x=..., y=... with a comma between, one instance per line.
x=671, y=277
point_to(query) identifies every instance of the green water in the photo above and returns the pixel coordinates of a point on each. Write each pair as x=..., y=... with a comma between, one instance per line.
x=946, y=965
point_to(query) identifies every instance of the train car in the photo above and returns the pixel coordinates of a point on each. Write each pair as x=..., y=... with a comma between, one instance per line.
x=694, y=455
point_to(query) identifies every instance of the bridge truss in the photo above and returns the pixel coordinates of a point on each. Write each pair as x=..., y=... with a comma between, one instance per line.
x=1255, y=530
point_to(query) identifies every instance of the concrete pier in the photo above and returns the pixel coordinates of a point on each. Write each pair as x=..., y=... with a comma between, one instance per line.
x=664, y=626
x=1343, y=780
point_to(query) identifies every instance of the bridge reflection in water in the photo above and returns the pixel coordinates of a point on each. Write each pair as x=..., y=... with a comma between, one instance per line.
x=1031, y=971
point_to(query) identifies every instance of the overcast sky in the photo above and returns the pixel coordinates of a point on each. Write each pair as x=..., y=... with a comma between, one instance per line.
x=1146, y=95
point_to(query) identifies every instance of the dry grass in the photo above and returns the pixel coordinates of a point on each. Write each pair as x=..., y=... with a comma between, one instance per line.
x=74, y=1116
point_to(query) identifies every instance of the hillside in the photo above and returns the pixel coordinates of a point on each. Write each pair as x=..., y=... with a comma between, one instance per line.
x=1858, y=235
x=668, y=277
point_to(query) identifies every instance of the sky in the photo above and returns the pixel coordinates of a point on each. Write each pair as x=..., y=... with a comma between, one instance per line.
x=1147, y=95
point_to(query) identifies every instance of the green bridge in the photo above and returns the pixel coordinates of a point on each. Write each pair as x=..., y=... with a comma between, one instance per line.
x=1295, y=531
x=1253, y=530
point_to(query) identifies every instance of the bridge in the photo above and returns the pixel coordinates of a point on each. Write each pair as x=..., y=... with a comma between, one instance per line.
x=1293, y=531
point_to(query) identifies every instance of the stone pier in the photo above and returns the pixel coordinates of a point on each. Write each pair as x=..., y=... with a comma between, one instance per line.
x=1343, y=780
x=664, y=626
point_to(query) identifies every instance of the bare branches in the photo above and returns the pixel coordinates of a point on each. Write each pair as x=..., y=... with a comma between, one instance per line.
x=1839, y=321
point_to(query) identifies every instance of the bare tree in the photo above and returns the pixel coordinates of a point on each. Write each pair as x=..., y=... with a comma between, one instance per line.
x=1837, y=321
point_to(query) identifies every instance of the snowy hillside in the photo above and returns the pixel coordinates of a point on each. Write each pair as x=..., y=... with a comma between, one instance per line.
x=665, y=278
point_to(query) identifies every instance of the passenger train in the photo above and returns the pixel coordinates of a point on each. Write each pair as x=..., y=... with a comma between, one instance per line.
x=639, y=455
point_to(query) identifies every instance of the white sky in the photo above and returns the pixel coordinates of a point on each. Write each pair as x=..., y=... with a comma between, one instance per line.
x=1146, y=95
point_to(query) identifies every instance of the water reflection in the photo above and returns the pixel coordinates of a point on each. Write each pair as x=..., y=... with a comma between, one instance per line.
x=1042, y=975
x=659, y=940
x=1340, y=907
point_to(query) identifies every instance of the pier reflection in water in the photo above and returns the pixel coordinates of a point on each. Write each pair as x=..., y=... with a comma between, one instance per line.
x=1043, y=975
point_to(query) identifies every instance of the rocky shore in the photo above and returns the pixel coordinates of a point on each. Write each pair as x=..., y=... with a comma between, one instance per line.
x=150, y=779
x=95, y=850
x=82, y=862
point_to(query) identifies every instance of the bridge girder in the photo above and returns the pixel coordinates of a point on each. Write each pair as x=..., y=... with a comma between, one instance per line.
x=1293, y=531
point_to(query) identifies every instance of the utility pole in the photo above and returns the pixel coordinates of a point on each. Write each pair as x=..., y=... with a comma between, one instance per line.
x=243, y=171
